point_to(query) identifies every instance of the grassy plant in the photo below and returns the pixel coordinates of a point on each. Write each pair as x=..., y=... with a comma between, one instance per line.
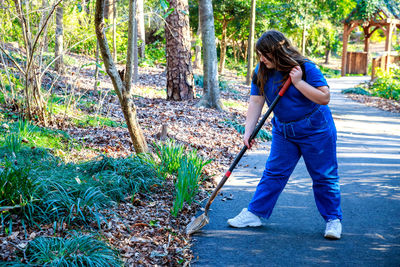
x=17, y=194
x=76, y=250
x=263, y=134
x=170, y=155
x=13, y=142
x=75, y=207
x=119, y=177
x=188, y=180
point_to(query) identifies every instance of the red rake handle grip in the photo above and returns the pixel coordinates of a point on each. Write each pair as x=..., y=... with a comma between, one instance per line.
x=285, y=86
x=253, y=135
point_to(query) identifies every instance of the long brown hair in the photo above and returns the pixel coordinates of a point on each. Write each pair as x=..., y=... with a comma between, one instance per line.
x=275, y=47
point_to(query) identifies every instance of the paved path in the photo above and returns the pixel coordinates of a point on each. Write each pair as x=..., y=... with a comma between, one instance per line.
x=369, y=166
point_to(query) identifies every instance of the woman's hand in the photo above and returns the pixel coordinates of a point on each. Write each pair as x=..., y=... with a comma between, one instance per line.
x=296, y=75
x=246, y=138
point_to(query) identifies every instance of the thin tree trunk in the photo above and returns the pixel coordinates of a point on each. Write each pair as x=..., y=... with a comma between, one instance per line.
x=59, y=65
x=197, y=59
x=210, y=81
x=179, y=63
x=140, y=29
x=223, y=47
x=250, y=62
x=123, y=87
x=96, y=71
x=114, y=29
x=135, y=50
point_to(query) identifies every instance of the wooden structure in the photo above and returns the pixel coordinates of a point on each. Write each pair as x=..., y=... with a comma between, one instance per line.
x=382, y=62
x=386, y=17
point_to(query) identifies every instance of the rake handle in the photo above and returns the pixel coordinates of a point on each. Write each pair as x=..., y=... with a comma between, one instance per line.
x=244, y=149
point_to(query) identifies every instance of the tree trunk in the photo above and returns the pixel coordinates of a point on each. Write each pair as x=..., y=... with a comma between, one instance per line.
x=223, y=47
x=179, y=66
x=197, y=59
x=114, y=30
x=210, y=81
x=250, y=54
x=140, y=29
x=327, y=55
x=108, y=8
x=45, y=37
x=121, y=86
x=303, y=40
x=59, y=65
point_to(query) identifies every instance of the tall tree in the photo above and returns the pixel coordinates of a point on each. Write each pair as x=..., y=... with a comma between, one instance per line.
x=250, y=61
x=58, y=49
x=140, y=28
x=122, y=83
x=210, y=81
x=179, y=64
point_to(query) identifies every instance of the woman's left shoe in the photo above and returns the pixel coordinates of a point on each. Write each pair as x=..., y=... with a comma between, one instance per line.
x=333, y=229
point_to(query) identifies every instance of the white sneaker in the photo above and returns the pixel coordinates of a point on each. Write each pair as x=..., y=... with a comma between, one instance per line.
x=245, y=218
x=333, y=229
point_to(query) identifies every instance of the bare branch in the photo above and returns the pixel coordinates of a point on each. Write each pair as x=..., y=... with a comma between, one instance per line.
x=12, y=60
x=41, y=30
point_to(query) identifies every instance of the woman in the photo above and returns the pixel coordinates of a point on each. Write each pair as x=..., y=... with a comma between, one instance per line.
x=302, y=126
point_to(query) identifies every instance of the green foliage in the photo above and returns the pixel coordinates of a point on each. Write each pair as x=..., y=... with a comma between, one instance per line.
x=34, y=136
x=329, y=73
x=76, y=250
x=387, y=84
x=187, y=182
x=262, y=134
x=17, y=193
x=155, y=54
x=199, y=81
x=74, y=206
x=122, y=176
x=170, y=155
x=356, y=90
x=188, y=167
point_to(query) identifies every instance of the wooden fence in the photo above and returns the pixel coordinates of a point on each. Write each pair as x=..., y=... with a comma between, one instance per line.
x=381, y=62
x=356, y=63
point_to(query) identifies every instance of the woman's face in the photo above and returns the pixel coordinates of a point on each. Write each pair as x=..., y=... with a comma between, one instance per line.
x=266, y=60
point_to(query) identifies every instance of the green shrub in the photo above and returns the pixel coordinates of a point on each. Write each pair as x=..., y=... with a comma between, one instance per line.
x=387, y=84
x=155, y=54
x=121, y=176
x=76, y=250
x=356, y=90
x=329, y=73
x=74, y=206
x=13, y=142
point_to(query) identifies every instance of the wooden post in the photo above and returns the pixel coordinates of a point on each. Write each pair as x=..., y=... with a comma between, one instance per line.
x=388, y=43
x=344, y=52
x=367, y=35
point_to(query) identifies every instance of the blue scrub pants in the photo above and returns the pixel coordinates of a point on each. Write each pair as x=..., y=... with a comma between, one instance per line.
x=314, y=138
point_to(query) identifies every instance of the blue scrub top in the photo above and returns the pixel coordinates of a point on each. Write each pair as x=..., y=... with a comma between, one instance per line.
x=293, y=105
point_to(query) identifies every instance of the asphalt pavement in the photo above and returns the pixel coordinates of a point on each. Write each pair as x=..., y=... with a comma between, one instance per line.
x=369, y=168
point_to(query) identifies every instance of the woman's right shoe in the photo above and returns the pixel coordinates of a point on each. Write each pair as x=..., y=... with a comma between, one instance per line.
x=244, y=219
